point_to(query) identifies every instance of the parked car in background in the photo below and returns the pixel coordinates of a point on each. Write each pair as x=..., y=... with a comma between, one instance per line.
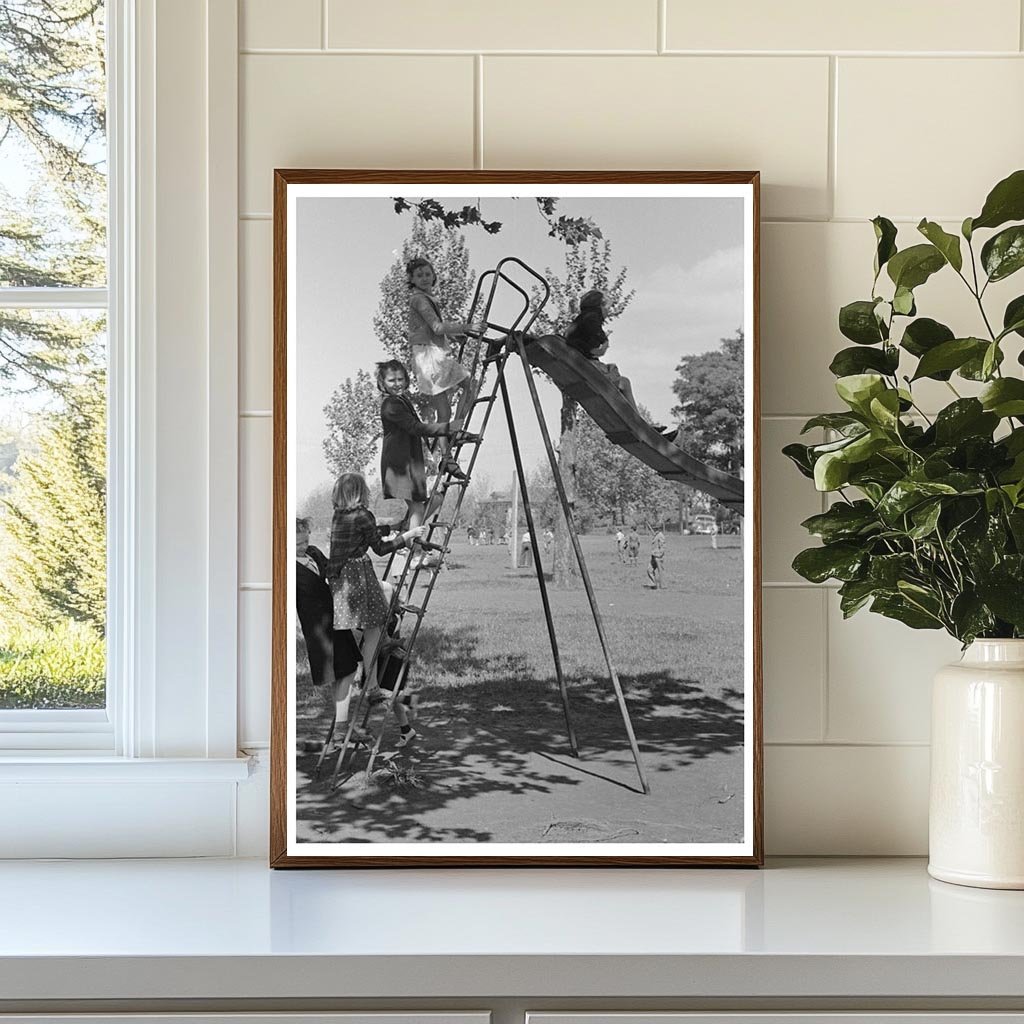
x=704, y=524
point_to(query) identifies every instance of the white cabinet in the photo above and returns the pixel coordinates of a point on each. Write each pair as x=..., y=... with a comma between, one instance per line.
x=785, y=1017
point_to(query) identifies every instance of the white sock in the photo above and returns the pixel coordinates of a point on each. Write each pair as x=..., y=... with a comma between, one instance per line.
x=341, y=709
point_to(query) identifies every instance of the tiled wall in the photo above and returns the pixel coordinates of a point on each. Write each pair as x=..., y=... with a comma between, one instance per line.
x=906, y=109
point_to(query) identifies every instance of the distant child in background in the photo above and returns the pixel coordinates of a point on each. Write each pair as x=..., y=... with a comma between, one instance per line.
x=333, y=653
x=633, y=545
x=620, y=544
x=654, y=570
x=360, y=599
x=438, y=373
x=402, y=469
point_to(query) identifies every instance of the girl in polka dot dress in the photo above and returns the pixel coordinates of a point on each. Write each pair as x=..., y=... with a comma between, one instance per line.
x=360, y=599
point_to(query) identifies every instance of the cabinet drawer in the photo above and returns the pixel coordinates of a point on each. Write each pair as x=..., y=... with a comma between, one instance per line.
x=790, y=1017
x=358, y=1017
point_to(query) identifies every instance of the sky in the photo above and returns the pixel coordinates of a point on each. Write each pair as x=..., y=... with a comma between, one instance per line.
x=684, y=258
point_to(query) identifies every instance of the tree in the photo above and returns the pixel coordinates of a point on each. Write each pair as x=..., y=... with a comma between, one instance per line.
x=53, y=521
x=709, y=387
x=448, y=252
x=52, y=120
x=570, y=230
x=353, y=425
x=618, y=486
x=587, y=266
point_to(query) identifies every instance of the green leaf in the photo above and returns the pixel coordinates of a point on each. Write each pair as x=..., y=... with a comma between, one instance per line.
x=857, y=321
x=854, y=595
x=833, y=561
x=849, y=361
x=887, y=570
x=912, y=267
x=923, y=335
x=885, y=236
x=974, y=368
x=833, y=420
x=831, y=471
x=1005, y=596
x=1003, y=254
x=991, y=360
x=1005, y=202
x=966, y=229
x=906, y=494
x=842, y=521
x=947, y=244
x=950, y=355
x=925, y=518
x=799, y=455
x=1013, y=316
x=970, y=617
x=903, y=302
x=1004, y=397
x=885, y=409
x=966, y=417
x=900, y=609
x=858, y=389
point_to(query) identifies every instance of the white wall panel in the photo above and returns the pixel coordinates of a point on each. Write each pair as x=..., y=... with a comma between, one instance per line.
x=337, y=111
x=256, y=305
x=875, y=25
x=255, y=510
x=971, y=111
x=471, y=25
x=681, y=113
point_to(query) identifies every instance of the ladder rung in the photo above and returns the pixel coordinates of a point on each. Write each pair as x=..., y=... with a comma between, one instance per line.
x=485, y=398
x=455, y=483
x=403, y=608
x=437, y=524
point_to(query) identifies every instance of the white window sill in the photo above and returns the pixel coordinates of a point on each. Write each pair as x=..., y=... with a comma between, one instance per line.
x=81, y=767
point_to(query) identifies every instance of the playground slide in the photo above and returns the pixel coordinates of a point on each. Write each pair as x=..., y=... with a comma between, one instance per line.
x=581, y=379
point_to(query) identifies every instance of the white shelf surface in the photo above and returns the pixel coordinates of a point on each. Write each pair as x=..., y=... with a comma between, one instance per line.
x=823, y=928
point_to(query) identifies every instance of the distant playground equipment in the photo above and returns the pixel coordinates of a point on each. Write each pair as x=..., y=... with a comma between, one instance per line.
x=578, y=378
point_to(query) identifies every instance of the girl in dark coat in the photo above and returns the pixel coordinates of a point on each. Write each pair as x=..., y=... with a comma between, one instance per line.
x=402, y=471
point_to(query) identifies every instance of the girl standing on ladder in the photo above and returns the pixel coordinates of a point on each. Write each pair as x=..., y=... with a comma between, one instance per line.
x=438, y=372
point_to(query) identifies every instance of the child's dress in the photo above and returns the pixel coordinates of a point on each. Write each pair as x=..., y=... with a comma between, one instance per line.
x=402, y=471
x=435, y=368
x=358, y=599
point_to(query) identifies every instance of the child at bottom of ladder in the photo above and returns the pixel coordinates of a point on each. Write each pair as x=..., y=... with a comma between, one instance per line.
x=361, y=601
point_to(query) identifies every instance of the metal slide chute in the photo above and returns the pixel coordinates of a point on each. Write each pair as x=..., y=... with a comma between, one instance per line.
x=583, y=380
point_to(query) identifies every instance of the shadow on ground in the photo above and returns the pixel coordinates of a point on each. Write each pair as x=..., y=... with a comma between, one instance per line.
x=492, y=747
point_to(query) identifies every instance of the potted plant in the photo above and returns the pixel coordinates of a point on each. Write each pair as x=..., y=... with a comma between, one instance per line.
x=927, y=521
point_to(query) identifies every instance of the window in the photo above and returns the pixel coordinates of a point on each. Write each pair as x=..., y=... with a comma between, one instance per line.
x=53, y=372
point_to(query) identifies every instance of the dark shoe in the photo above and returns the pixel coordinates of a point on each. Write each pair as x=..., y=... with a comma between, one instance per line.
x=453, y=469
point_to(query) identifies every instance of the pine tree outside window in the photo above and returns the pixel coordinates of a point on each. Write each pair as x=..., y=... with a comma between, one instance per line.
x=53, y=369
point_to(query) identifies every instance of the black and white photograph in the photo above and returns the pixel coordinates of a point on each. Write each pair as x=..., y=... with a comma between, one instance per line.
x=515, y=528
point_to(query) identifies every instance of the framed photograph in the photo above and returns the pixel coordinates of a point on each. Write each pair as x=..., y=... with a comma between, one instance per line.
x=516, y=519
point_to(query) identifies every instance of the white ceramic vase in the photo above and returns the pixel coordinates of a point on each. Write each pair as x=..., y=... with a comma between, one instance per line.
x=976, y=813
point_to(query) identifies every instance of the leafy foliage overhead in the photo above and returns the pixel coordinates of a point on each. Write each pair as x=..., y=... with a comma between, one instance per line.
x=570, y=230
x=927, y=525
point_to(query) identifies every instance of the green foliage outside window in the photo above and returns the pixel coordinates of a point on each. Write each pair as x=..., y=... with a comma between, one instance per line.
x=52, y=365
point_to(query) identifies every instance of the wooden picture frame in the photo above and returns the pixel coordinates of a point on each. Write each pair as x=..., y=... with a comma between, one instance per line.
x=331, y=237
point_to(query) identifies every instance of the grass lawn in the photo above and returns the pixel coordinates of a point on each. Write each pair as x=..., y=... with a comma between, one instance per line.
x=492, y=761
